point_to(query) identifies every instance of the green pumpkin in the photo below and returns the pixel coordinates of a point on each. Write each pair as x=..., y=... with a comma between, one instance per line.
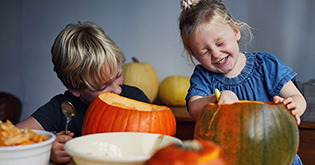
x=250, y=132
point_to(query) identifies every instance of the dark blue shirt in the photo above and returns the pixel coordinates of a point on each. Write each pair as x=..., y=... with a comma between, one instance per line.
x=52, y=119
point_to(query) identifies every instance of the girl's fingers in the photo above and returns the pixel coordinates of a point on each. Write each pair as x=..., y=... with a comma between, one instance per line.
x=277, y=99
x=287, y=101
x=297, y=119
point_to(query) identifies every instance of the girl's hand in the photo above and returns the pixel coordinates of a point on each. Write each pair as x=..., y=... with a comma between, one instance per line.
x=227, y=97
x=58, y=153
x=196, y=103
x=291, y=105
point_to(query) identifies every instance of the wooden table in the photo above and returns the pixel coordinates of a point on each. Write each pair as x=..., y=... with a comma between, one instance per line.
x=307, y=143
x=185, y=124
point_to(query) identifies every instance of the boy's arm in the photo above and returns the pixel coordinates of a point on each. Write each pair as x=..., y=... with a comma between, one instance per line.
x=30, y=123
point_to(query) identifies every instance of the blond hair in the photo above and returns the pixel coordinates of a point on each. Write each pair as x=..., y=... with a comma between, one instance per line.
x=85, y=57
x=206, y=11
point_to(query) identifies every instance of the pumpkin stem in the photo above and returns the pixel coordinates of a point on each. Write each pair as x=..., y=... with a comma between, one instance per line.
x=191, y=145
x=135, y=60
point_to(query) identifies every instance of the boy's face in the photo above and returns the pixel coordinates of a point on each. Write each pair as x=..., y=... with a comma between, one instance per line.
x=216, y=47
x=88, y=96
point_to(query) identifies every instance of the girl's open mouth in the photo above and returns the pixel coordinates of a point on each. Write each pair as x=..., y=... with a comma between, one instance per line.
x=222, y=61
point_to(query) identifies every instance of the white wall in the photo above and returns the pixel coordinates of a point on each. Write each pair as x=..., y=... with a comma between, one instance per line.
x=146, y=29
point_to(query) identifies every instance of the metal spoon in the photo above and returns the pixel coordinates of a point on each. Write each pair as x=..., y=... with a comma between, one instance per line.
x=69, y=111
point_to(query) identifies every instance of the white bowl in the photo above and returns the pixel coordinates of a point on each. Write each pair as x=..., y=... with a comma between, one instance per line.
x=132, y=148
x=33, y=154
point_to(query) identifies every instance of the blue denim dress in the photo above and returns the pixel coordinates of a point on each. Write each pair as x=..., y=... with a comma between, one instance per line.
x=261, y=79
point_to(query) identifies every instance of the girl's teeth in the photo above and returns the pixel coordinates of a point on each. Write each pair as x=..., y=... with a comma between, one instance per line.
x=222, y=61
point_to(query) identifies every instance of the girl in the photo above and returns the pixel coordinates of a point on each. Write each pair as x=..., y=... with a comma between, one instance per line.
x=212, y=37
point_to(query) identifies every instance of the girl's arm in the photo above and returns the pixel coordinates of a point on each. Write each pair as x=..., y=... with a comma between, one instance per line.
x=196, y=103
x=293, y=99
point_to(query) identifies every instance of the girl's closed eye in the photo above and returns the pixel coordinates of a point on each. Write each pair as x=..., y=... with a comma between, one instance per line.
x=206, y=52
x=220, y=44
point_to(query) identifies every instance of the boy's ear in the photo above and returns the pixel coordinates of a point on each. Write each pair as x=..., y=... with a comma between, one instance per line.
x=74, y=92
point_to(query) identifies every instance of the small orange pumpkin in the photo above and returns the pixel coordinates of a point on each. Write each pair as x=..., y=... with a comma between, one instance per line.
x=250, y=132
x=111, y=112
x=191, y=152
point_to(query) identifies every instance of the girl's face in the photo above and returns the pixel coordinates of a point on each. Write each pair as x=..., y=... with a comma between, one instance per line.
x=88, y=96
x=216, y=48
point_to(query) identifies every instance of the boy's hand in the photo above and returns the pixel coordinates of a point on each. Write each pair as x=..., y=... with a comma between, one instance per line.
x=291, y=105
x=58, y=153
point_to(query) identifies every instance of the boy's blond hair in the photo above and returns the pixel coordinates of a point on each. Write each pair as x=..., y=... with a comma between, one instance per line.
x=85, y=57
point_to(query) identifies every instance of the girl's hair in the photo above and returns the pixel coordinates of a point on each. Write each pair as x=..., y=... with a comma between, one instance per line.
x=206, y=11
x=85, y=57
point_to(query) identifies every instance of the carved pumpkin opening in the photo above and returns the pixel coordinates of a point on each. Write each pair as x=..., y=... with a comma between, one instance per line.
x=126, y=103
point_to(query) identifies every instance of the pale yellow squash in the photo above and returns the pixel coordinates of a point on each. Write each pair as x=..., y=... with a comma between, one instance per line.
x=173, y=90
x=143, y=76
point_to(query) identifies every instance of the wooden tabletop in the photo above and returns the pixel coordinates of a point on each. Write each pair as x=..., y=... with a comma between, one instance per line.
x=181, y=114
x=307, y=125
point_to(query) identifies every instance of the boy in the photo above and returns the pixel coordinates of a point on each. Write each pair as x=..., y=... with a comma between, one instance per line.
x=88, y=63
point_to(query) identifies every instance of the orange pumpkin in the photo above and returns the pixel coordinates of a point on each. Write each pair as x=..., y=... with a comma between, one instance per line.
x=191, y=152
x=250, y=132
x=110, y=112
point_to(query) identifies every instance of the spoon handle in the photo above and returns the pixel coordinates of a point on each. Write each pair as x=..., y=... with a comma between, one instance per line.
x=67, y=128
x=67, y=124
